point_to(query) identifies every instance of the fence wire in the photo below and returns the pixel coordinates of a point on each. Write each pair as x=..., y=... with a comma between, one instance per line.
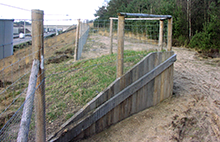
x=98, y=40
x=138, y=35
x=9, y=131
x=69, y=84
x=145, y=33
x=16, y=67
x=84, y=32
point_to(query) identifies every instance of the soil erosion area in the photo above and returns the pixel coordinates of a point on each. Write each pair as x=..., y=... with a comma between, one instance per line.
x=191, y=114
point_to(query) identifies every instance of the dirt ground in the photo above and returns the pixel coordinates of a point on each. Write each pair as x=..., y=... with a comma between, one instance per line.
x=191, y=114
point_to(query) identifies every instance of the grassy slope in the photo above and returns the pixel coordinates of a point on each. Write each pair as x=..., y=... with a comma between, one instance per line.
x=69, y=85
x=22, y=60
x=74, y=84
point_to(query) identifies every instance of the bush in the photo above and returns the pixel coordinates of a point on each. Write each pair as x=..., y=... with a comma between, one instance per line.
x=180, y=41
x=201, y=41
x=207, y=39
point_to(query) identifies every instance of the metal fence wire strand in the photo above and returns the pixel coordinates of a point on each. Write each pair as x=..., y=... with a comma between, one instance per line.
x=84, y=32
x=14, y=73
x=69, y=83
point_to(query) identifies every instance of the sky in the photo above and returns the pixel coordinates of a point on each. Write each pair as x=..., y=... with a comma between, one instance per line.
x=55, y=12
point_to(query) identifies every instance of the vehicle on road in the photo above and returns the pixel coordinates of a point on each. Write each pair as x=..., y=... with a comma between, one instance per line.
x=21, y=35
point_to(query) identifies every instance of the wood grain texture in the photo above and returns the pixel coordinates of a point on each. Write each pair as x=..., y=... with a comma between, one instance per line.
x=131, y=93
x=38, y=48
x=169, y=34
x=120, y=55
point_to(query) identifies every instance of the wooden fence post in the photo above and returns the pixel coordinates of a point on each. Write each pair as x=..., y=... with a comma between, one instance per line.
x=160, y=44
x=38, y=48
x=111, y=36
x=169, y=35
x=120, y=56
x=77, y=41
x=28, y=105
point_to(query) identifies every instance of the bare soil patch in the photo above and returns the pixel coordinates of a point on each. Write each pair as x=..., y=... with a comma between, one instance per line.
x=191, y=114
x=99, y=44
x=5, y=83
x=213, y=53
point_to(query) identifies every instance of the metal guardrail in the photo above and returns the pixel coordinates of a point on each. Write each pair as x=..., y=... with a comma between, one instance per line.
x=28, y=40
x=17, y=36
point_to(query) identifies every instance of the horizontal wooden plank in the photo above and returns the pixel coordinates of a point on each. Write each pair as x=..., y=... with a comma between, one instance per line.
x=75, y=130
x=139, y=18
x=145, y=15
x=83, y=111
x=113, y=87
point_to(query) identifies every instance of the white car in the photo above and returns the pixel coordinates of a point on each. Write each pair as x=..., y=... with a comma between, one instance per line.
x=21, y=35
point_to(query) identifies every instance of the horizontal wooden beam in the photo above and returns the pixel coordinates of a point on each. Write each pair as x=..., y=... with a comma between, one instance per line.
x=74, y=130
x=144, y=15
x=139, y=18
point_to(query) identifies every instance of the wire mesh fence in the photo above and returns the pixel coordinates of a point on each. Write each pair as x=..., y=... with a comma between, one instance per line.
x=98, y=40
x=145, y=33
x=69, y=84
x=83, y=35
x=139, y=34
x=15, y=69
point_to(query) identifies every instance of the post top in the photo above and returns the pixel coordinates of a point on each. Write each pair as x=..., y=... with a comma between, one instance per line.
x=37, y=11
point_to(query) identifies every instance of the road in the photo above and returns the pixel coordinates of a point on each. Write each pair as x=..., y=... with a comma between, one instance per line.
x=17, y=41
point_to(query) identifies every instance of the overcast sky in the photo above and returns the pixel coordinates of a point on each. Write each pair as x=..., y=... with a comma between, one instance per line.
x=58, y=10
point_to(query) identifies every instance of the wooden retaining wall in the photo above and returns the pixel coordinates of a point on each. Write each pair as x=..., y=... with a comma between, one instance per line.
x=149, y=82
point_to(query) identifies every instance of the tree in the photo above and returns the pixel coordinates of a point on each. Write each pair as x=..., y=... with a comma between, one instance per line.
x=209, y=37
x=101, y=12
x=199, y=18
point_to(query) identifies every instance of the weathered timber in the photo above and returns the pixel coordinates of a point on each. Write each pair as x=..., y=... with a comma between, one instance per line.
x=121, y=104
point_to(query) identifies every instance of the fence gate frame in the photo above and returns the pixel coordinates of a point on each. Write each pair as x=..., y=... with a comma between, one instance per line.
x=161, y=19
x=148, y=83
x=121, y=18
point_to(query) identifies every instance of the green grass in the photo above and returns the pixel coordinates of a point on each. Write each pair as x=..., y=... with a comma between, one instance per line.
x=79, y=82
x=69, y=115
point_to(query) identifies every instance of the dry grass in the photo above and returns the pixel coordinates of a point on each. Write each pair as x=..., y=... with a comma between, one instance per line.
x=134, y=38
x=15, y=69
x=66, y=92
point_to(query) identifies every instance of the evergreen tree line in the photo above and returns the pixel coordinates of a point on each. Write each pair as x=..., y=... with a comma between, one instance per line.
x=196, y=23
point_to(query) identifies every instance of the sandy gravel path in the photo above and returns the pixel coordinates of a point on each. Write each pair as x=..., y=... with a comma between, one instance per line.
x=191, y=114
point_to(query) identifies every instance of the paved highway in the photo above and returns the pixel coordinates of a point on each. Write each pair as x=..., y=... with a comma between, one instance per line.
x=17, y=41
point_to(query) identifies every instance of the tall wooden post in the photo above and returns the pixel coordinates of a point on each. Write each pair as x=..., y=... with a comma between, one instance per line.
x=77, y=41
x=120, y=56
x=160, y=44
x=38, y=48
x=111, y=36
x=169, y=34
